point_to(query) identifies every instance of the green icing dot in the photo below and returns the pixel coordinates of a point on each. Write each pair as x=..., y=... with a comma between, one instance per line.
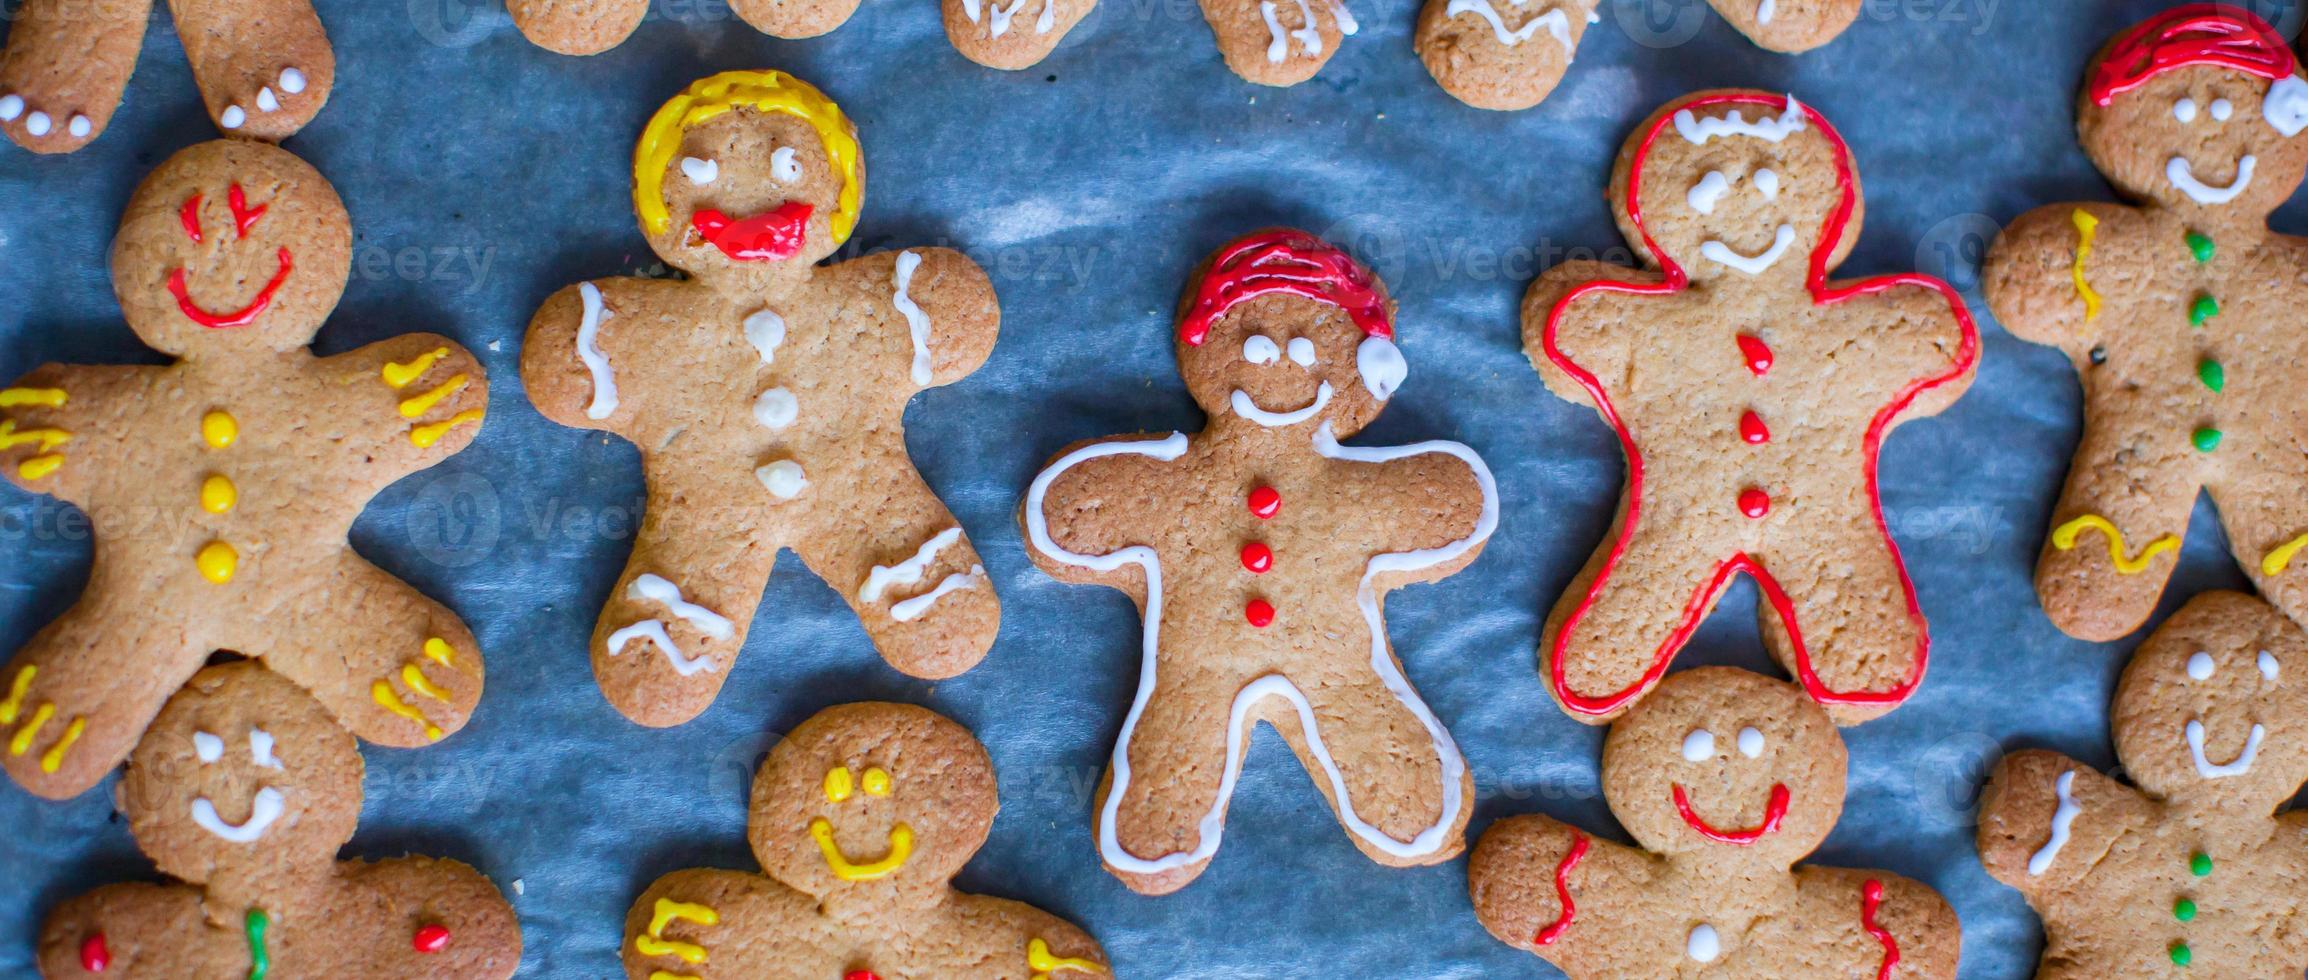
x=2205, y=308
x=2200, y=864
x=2180, y=954
x=2206, y=440
x=2211, y=374
x=2200, y=245
x=2184, y=910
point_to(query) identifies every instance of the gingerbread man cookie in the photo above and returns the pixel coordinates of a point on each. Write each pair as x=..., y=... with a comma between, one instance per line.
x=245, y=789
x=1751, y=394
x=1496, y=54
x=767, y=396
x=2180, y=315
x=1259, y=551
x=861, y=816
x=1725, y=779
x=2194, y=868
x=1278, y=42
x=222, y=486
x=1008, y=34
x=264, y=66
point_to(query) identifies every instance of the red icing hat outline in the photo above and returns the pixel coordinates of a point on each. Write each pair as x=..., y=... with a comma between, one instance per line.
x=2197, y=34
x=1285, y=260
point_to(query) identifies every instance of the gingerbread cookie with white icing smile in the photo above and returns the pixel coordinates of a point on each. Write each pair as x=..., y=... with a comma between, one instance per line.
x=767, y=396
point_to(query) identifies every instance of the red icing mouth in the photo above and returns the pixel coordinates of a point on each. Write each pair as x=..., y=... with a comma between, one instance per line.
x=238, y=318
x=1773, y=812
x=768, y=236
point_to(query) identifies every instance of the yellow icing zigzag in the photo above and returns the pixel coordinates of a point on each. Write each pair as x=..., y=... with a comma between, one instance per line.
x=402, y=375
x=2281, y=558
x=2087, y=229
x=1038, y=957
x=2064, y=538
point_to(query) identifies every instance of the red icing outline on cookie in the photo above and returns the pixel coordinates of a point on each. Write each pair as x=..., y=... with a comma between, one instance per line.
x=1870, y=899
x=1774, y=812
x=238, y=318
x=1675, y=280
x=1283, y=260
x=1563, y=868
x=2197, y=34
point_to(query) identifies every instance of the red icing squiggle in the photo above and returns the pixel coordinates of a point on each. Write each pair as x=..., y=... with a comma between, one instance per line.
x=769, y=236
x=1870, y=899
x=1774, y=812
x=1284, y=261
x=1675, y=280
x=2212, y=34
x=238, y=318
x=189, y=215
x=1554, y=930
x=243, y=216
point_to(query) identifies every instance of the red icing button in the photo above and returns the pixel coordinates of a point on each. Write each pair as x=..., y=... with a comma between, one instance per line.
x=1259, y=612
x=1754, y=502
x=1265, y=502
x=95, y=957
x=1257, y=557
x=861, y=975
x=1752, y=429
x=1756, y=353
x=431, y=939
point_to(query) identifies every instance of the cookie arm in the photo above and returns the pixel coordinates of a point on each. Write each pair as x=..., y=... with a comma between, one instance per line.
x=1565, y=320
x=1535, y=882
x=422, y=398
x=413, y=893
x=2045, y=820
x=242, y=49
x=65, y=430
x=67, y=62
x=1094, y=499
x=1436, y=500
x=744, y=925
x=138, y=930
x=394, y=666
x=2031, y=276
x=1928, y=347
x=571, y=355
x=959, y=315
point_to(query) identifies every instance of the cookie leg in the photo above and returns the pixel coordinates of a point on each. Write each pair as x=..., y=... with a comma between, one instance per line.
x=674, y=623
x=2116, y=533
x=899, y=558
x=2266, y=518
x=264, y=66
x=1614, y=630
x=1847, y=625
x=794, y=19
x=1277, y=42
x=1159, y=816
x=395, y=667
x=77, y=698
x=67, y=63
x=581, y=27
x=1406, y=786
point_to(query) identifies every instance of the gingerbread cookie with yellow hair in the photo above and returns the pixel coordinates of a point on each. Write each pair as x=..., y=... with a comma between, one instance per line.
x=861, y=816
x=767, y=397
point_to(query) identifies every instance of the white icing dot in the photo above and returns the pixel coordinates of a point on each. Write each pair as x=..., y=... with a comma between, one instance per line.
x=2200, y=665
x=1699, y=746
x=764, y=329
x=292, y=81
x=2184, y=110
x=2268, y=668
x=208, y=747
x=1750, y=742
x=1767, y=181
x=700, y=172
x=232, y=117
x=36, y=124
x=2223, y=109
x=11, y=106
x=1302, y=351
x=79, y=127
x=776, y=408
x=1260, y=349
x=783, y=166
x=1703, y=945
x=266, y=101
x=783, y=478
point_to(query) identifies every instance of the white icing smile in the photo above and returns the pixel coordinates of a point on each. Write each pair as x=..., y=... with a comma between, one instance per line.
x=2237, y=767
x=265, y=808
x=1249, y=409
x=1753, y=265
x=2183, y=176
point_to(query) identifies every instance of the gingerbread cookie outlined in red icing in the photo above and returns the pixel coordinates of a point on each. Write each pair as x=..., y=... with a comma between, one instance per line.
x=1764, y=348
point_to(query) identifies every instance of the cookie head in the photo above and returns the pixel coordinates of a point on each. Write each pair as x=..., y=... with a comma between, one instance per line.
x=872, y=798
x=1722, y=764
x=243, y=773
x=748, y=178
x=231, y=246
x=1739, y=186
x=2213, y=710
x=2200, y=108
x=1283, y=330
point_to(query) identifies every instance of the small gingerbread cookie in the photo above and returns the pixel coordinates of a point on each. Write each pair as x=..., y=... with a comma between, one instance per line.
x=1008, y=34
x=1278, y=42
x=2194, y=868
x=1725, y=779
x=1789, y=26
x=1501, y=54
x=222, y=486
x=861, y=816
x=245, y=789
x=2180, y=315
x=264, y=66
x=1751, y=394
x=1258, y=551
x=767, y=396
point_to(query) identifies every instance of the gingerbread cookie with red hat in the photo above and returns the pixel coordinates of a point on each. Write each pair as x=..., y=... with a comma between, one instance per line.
x=264, y=67
x=1008, y=34
x=1751, y=393
x=1258, y=551
x=1725, y=779
x=2179, y=314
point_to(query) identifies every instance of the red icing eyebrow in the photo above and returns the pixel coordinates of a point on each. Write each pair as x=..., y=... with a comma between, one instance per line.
x=1282, y=260
x=2196, y=34
x=243, y=216
x=190, y=215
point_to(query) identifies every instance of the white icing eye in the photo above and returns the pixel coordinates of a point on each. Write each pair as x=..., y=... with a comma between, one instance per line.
x=2184, y=110
x=783, y=166
x=2200, y=665
x=2223, y=109
x=1708, y=192
x=1260, y=349
x=700, y=172
x=292, y=81
x=1768, y=182
x=209, y=747
x=260, y=748
x=1302, y=352
x=1699, y=746
x=2268, y=668
x=1750, y=742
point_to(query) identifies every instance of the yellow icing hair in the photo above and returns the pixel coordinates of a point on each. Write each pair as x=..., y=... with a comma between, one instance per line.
x=761, y=91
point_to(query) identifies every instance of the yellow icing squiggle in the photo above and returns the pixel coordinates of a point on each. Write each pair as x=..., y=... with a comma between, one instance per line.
x=424, y=436
x=421, y=684
x=402, y=375
x=420, y=404
x=2064, y=538
x=666, y=912
x=386, y=698
x=1044, y=963
x=22, y=743
x=439, y=651
x=43, y=397
x=53, y=759
x=2087, y=229
x=16, y=691
x=48, y=439
x=901, y=848
x=761, y=91
x=2281, y=558
x=40, y=466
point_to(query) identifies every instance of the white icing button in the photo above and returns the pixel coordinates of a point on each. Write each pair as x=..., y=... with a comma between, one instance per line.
x=292, y=81
x=1750, y=742
x=79, y=127
x=700, y=172
x=266, y=101
x=1704, y=945
x=2199, y=665
x=36, y=124
x=764, y=329
x=1699, y=746
x=776, y=408
x=11, y=106
x=2268, y=667
x=1302, y=351
x=232, y=117
x=783, y=478
x=2184, y=110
